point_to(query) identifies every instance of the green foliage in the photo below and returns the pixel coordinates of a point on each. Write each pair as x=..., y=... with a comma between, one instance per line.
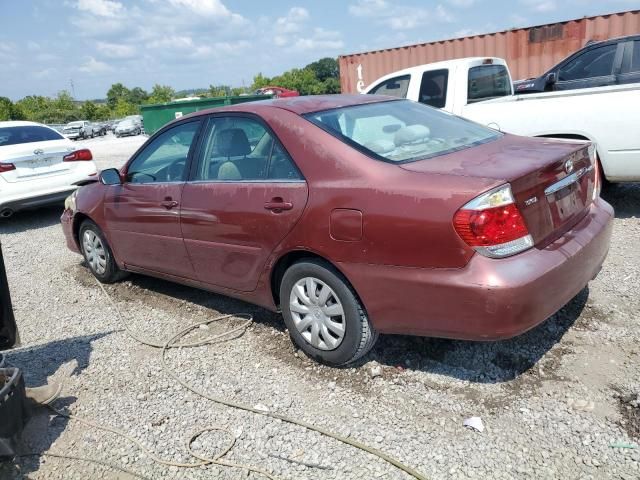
x=325, y=68
x=89, y=111
x=9, y=110
x=124, y=108
x=219, y=91
x=161, y=94
x=137, y=96
x=260, y=81
x=117, y=92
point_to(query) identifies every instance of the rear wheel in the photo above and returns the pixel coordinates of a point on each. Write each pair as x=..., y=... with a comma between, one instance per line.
x=323, y=314
x=97, y=253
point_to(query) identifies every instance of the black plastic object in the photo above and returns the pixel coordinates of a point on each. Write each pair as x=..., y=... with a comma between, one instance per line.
x=12, y=410
x=8, y=330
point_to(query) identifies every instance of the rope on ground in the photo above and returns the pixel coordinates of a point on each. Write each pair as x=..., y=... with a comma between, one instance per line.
x=173, y=342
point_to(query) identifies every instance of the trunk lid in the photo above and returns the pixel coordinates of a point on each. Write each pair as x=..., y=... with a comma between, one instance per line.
x=35, y=160
x=552, y=180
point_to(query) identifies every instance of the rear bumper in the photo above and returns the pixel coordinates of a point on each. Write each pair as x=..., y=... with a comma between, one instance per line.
x=37, y=200
x=488, y=299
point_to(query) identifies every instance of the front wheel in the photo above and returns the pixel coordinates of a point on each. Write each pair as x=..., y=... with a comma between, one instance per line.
x=323, y=314
x=97, y=253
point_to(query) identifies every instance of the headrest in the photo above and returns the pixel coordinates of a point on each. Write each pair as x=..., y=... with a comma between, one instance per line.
x=232, y=142
x=411, y=134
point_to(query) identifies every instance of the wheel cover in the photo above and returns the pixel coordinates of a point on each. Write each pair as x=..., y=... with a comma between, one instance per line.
x=94, y=252
x=317, y=313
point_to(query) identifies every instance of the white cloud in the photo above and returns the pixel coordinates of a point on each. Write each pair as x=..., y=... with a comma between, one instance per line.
x=208, y=9
x=462, y=3
x=398, y=17
x=116, y=50
x=6, y=50
x=321, y=39
x=101, y=8
x=94, y=66
x=293, y=21
x=33, y=46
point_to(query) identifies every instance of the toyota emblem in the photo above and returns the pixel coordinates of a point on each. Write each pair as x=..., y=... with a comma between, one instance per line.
x=568, y=166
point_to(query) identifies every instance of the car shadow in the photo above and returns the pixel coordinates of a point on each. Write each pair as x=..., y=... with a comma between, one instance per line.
x=209, y=300
x=38, y=363
x=31, y=219
x=624, y=198
x=479, y=362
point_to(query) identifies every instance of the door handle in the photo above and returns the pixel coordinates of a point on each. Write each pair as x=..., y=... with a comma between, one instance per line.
x=278, y=205
x=168, y=203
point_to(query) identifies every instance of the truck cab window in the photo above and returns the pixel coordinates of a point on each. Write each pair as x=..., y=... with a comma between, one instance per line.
x=488, y=81
x=394, y=87
x=433, y=88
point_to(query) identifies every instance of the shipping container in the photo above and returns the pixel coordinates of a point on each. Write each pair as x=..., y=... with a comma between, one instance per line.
x=157, y=115
x=529, y=52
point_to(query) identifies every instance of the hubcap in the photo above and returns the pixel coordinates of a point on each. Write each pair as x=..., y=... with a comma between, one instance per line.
x=94, y=252
x=317, y=313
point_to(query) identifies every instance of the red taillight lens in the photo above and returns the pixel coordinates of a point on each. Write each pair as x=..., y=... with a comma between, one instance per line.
x=492, y=226
x=6, y=167
x=79, y=156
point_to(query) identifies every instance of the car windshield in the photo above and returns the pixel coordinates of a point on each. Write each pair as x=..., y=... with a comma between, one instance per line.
x=125, y=123
x=74, y=124
x=401, y=131
x=27, y=134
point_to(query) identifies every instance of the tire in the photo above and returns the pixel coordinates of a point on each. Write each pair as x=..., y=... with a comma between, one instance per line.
x=352, y=335
x=99, y=258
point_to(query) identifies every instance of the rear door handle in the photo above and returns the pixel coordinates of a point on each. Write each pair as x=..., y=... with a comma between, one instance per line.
x=278, y=205
x=169, y=204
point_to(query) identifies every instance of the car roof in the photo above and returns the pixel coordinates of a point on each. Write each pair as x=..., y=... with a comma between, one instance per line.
x=301, y=105
x=20, y=123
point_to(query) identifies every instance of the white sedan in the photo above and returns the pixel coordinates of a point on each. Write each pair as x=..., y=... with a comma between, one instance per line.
x=38, y=166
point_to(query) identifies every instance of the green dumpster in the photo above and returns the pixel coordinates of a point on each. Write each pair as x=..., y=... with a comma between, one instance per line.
x=157, y=115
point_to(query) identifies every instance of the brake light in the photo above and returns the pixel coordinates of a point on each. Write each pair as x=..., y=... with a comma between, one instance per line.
x=492, y=224
x=6, y=167
x=78, y=156
x=597, y=181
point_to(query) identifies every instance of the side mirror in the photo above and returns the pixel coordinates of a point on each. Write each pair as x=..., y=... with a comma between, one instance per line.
x=551, y=78
x=110, y=176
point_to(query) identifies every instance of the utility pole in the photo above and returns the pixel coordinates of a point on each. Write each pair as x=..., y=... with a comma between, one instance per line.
x=73, y=89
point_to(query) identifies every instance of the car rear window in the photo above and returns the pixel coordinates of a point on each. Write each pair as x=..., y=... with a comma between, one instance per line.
x=488, y=81
x=401, y=131
x=27, y=134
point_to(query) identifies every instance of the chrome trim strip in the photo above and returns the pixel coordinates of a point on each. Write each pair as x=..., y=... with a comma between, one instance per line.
x=568, y=180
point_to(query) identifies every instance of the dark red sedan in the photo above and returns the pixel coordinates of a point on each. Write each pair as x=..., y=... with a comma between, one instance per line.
x=354, y=215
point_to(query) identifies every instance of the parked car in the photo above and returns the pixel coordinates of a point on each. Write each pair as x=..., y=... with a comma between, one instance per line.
x=78, y=130
x=277, y=92
x=598, y=64
x=353, y=215
x=480, y=89
x=100, y=129
x=38, y=166
x=127, y=126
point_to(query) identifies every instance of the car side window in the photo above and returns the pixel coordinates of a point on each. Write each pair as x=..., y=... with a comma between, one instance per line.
x=635, y=58
x=395, y=87
x=165, y=158
x=433, y=88
x=242, y=149
x=593, y=63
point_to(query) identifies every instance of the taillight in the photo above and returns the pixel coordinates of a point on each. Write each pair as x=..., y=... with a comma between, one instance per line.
x=597, y=181
x=6, y=167
x=78, y=156
x=492, y=224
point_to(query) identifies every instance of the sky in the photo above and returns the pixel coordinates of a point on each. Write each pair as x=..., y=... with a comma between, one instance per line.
x=84, y=46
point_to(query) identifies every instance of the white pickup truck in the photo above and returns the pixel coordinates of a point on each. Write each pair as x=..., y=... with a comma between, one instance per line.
x=480, y=89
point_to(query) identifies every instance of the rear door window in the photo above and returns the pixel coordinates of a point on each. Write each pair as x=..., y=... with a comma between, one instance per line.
x=488, y=81
x=394, y=87
x=593, y=63
x=433, y=88
x=635, y=58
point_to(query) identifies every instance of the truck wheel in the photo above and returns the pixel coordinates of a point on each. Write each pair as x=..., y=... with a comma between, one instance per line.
x=97, y=253
x=323, y=314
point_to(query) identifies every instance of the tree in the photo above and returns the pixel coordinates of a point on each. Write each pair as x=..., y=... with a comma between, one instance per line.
x=137, y=96
x=301, y=79
x=161, y=94
x=89, y=111
x=116, y=92
x=325, y=68
x=219, y=91
x=124, y=108
x=9, y=110
x=260, y=81
x=35, y=107
x=331, y=85
x=103, y=112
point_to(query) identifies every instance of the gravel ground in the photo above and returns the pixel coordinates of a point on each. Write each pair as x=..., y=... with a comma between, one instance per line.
x=553, y=401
